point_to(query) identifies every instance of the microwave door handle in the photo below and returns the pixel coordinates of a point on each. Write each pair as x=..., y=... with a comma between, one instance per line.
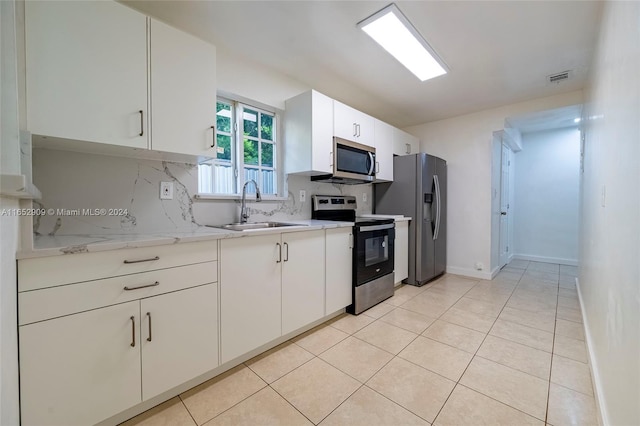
x=373, y=164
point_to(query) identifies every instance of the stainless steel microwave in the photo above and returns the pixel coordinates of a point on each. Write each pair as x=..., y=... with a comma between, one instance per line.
x=353, y=163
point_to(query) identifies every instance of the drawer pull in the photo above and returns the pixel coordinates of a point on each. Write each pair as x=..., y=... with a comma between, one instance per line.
x=149, y=315
x=143, y=260
x=133, y=332
x=127, y=288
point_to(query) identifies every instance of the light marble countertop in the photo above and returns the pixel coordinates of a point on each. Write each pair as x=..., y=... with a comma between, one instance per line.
x=44, y=246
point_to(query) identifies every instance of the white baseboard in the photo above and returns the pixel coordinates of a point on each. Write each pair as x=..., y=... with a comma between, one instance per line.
x=468, y=272
x=560, y=260
x=495, y=271
x=601, y=407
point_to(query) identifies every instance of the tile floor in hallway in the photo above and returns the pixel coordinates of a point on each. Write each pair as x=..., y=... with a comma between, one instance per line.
x=458, y=351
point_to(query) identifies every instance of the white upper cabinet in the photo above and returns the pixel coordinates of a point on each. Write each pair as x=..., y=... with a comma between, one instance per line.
x=87, y=72
x=384, y=151
x=353, y=125
x=404, y=143
x=183, y=92
x=308, y=132
x=88, y=65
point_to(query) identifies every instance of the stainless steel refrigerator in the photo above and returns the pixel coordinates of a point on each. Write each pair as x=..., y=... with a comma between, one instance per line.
x=419, y=190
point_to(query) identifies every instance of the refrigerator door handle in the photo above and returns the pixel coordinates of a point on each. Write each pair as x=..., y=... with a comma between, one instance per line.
x=437, y=185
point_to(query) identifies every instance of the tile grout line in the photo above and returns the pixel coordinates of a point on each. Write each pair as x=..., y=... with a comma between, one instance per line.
x=553, y=345
x=474, y=355
x=458, y=382
x=362, y=384
x=189, y=412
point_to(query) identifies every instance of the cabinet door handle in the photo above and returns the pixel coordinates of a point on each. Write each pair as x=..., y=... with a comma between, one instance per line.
x=133, y=331
x=213, y=138
x=142, y=260
x=286, y=253
x=149, y=316
x=279, y=253
x=355, y=129
x=377, y=167
x=408, y=148
x=358, y=127
x=127, y=288
x=141, y=122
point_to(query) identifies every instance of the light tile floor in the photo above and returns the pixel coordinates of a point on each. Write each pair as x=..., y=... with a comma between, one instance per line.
x=457, y=351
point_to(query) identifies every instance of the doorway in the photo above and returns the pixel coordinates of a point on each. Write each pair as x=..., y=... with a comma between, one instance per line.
x=535, y=184
x=505, y=205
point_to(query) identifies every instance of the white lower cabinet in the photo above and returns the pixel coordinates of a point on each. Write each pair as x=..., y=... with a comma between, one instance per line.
x=303, y=283
x=112, y=342
x=82, y=368
x=270, y=285
x=401, y=251
x=338, y=291
x=250, y=293
x=179, y=337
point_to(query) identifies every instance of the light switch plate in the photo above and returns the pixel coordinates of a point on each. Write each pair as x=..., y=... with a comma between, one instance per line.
x=364, y=197
x=303, y=195
x=166, y=190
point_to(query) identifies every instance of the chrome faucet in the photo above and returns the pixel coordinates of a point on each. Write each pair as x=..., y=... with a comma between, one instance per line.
x=243, y=209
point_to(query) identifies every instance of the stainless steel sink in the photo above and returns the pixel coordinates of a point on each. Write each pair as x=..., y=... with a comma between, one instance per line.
x=254, y=225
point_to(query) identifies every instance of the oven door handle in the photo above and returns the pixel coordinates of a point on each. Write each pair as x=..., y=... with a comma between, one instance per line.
x=376, y=227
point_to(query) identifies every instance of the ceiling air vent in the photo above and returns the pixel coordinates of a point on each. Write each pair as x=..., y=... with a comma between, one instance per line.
x=559, y=77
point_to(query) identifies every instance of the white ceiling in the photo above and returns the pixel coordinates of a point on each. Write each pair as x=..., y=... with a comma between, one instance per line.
x=499, y=52
x=546, y=120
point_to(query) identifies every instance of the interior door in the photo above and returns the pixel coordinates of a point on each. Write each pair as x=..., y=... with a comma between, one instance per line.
x=504, y=205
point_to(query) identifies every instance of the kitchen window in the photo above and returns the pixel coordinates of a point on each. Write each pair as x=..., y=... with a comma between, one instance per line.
x=246, y=148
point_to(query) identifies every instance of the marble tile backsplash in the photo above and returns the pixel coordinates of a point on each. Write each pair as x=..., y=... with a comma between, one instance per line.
x=77, y=188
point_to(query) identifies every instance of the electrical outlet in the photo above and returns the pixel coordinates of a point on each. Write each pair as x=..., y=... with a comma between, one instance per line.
x=364, y=197
x=166, y=190
x=303, y=195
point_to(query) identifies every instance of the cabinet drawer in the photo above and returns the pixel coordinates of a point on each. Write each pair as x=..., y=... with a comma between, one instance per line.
x=59, y=270
x=70, y=299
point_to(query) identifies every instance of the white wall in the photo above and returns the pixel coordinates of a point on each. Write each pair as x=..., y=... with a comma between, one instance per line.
x=546, y=188
x=255, y=81
x=9, y=226
x=609, y=272
x=465, y=143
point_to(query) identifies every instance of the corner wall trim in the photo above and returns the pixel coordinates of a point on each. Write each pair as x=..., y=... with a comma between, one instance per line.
x=468, y=272
x=601, y=405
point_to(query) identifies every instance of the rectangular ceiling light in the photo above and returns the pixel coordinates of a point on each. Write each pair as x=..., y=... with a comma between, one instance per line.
x=393, y=31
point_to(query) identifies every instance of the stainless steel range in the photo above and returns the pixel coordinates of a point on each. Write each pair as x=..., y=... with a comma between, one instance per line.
x=373, y=260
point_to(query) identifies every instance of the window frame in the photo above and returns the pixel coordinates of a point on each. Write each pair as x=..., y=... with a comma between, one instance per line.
x=237, y=151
